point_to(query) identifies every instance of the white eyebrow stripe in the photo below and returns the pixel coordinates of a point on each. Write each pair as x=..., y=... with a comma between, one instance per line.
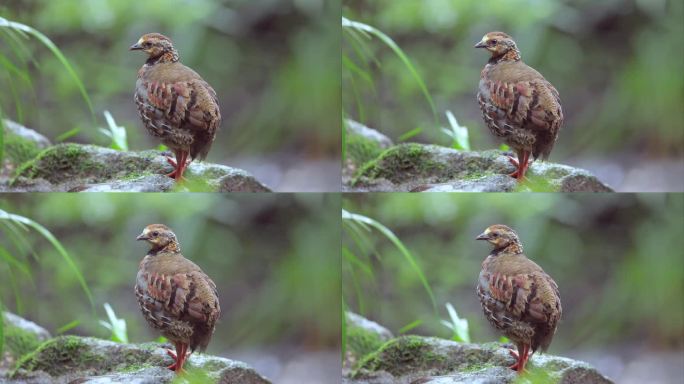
x=140, y=41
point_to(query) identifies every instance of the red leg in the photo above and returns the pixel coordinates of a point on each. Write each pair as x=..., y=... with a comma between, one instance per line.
x=174, y=356
x=521, y=358
x=182, y=357
x=521, y=165
x=178, y=358
x=174, y=163
x=182, y=164
x=179, y=165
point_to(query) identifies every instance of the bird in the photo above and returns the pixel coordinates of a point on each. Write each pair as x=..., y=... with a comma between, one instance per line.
x=518, y=104
x=175, y=104
x=518, y=298
x=175, y=296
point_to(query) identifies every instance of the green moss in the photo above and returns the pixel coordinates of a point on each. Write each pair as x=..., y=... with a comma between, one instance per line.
x=20, y=342
x=362, y=150
x=362, y=342
x=403, y=355
x=19, y=150
x=405, y=162
x=59, y=162
x=60, y=355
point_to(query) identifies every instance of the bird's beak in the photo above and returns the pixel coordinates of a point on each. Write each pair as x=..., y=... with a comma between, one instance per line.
x=482, y=236
x=141, y=237
x=480, y=44
x=135, y=47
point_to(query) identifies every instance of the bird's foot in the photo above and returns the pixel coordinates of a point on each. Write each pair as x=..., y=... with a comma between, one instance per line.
x=520, y=176
x=513, y=161
x=519, y=365
x=175, y=359
x=171, y=161
x=177, y=365
x=177, y=172
x=519, y=173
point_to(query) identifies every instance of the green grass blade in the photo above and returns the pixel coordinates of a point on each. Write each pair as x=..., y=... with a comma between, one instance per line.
x=68, y=326
x=2, y=137
x=55, y=243
x=353, y=260
x=399, y=52
x=412, y=133
x=2, y=329
x=353, y=68
x=12, y=69
x=12, y=261
x=4, y=23
x=399, y=245
x=343, y=330
x=68, y=134
x=410, y=326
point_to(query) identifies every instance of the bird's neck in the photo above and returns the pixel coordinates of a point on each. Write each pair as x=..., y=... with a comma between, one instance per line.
x=166, y=57
x=511, y=249
x=171, y=247
x=512, y=54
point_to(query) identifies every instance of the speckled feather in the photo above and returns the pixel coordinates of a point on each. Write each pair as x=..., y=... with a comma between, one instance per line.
x=519, y=299
x=518, y=104
x=517, y=296
x=177, y=298
x=176, y=105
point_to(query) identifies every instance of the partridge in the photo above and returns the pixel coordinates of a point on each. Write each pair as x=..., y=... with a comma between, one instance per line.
x=517, y=296
x=175, y=104
x=175, y=296
x=518, y=105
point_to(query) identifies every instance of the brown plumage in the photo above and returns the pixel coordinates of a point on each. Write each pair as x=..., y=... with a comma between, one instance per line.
x=518, y=105
x=175, y=296
x=175, y=104
x=517, y=296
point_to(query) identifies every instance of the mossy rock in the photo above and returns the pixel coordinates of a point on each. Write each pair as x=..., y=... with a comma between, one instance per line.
x=19, y=150
x=21, y=144
x=363, y=144
x=413, y=167
x=404, y=163
x=363, y=338
x=418, y=359
x=79, y=359
x=77, y=167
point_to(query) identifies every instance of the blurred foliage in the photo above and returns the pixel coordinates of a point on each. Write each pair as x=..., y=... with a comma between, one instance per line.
x=617, y=65
x=617, y=259
x=274, y=64
x=277, y=285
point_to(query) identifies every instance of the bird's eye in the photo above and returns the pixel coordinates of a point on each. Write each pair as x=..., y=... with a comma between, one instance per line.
x=492, y=42
x=147, y=44
x=155, y=233
x=495, y=234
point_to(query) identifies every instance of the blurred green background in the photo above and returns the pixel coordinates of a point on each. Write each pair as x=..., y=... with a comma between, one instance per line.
x=279, y=290
x=274, y=64
x=617, y=259
x=617, y=65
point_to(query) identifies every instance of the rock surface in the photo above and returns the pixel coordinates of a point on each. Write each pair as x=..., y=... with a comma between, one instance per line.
x=374, y=166
x=75, y=359
x=32, y=165
x=422, y=360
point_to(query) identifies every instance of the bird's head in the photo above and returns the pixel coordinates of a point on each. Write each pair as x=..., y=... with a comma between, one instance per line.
x=499, y=44
x=159, y=236
x=156, y=45
x=500, y=236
